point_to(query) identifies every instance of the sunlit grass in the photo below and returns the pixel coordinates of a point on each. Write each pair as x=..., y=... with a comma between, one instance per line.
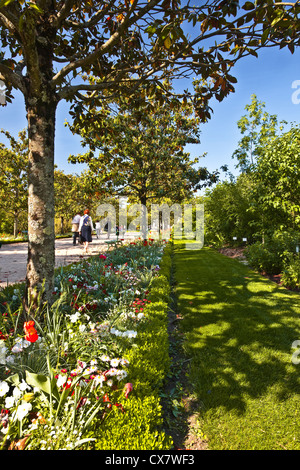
x=239, y=328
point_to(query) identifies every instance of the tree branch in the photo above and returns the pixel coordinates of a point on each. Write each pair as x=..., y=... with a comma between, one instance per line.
x=7, y=74
x=63, y=13
x=104, y=48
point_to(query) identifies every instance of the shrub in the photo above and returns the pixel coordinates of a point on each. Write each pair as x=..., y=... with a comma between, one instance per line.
x=264, y=258
x=140, y=426
x=291, y=274
x=274, y=254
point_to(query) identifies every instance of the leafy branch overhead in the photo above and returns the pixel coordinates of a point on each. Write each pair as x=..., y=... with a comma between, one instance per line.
x=118, y=46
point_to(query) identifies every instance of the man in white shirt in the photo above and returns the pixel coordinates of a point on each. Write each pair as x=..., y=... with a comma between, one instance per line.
x=75, y=227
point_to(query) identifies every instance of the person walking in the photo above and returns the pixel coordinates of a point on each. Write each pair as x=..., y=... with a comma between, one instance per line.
x=85, y=229
x=75, y=227
x=98, y=229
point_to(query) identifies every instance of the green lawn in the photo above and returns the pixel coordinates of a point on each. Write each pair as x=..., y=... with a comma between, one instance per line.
x=239, y=328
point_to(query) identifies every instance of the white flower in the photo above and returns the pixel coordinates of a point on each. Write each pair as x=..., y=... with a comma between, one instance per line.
x=4, y=388
x=17, y=348
x=99, y=379
x=114, y=362
x=10, y=360
x=113, y=371
x=61, y=380
x=17, y=393
x=2, y=355
x=23, y=410
x=9, y=402
x=115, y=332
x=24, y=386
x=20, y=345
x=82, y=328
x=121, y=374
x=124, y=362
x=131, y=334
x=105, y=358
x=74, y=317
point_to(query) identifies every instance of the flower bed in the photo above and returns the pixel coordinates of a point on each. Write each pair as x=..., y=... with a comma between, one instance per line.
x=87, y=373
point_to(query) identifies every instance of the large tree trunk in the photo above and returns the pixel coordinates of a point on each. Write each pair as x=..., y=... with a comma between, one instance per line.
x=41, y=104
x=41, y=236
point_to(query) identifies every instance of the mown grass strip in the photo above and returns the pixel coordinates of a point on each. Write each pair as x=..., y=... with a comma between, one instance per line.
x=239, y=328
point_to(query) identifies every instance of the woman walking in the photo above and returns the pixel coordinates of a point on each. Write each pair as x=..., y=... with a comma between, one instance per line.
x=85, y=229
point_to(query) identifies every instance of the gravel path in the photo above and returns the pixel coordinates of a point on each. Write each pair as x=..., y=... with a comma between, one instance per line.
x=13, y=257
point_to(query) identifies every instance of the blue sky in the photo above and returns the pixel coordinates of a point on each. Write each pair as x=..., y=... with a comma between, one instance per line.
x=270, y=77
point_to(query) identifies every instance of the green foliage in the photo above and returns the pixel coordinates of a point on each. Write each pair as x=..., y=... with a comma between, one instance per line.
x=264, y=257
x=136, y=429
x=228, y=212
x=291, y=273
x=13, y=181
x=257, y=128
x=140, y=427
x=275, y=253
x=141, y=154
x=88, y=325
x=276, y=177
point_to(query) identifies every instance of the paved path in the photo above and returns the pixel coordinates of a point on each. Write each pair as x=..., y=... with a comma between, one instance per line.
x=13, y=257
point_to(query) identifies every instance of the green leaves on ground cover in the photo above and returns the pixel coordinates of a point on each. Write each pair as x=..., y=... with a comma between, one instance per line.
x=239, y=329
x=141, y=426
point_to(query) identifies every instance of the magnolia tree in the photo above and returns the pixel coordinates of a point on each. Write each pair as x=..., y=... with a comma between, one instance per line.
x=141, y=155
x=78, y=50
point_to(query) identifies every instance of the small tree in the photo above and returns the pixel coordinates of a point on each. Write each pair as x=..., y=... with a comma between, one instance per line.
x=277, y=177
x=13, y=176
x=257, y=128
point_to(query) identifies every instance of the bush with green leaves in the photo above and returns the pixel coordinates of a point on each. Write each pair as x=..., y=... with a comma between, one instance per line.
x=291, y=273
x=272, y=255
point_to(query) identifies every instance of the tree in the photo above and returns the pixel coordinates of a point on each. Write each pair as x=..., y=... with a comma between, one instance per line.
x=50, y=48
x=13, y=176
x=277, y=177
x=257, y=128
x=142, y=155
x=228, y=209
x=73, y=194
x=270, y=158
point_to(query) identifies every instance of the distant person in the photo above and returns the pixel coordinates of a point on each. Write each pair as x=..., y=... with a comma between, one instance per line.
x=85, y=229
x=75, y=227
x=98, y=229
x=107, y=228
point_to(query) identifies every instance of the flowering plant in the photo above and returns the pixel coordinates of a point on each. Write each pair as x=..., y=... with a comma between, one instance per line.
x=60, y=378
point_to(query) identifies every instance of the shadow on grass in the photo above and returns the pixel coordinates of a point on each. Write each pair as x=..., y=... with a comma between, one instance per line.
x=239, y=328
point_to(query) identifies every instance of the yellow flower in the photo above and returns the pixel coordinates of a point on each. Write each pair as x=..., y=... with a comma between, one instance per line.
x=28, y=396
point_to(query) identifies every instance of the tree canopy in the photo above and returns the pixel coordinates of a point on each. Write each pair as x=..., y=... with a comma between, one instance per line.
x=138, y=154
